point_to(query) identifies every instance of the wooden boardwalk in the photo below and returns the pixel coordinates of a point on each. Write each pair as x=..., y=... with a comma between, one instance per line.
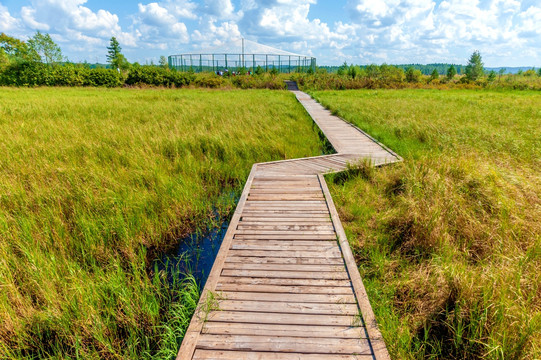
x=285, y=284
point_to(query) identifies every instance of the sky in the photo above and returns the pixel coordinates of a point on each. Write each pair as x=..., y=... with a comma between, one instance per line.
x=506, y=32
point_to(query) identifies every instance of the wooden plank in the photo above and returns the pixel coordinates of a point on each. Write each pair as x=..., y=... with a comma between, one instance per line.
x=266, y=242
x=340, y=332
x=287, y=245
x=317, y=298
x=287, y=254
x=283, y=281
x=201, y=354
x=283, y=197
x=284, y=344
x=286, y=227
x=285, y=289
x=282, y=260
x=285, y=232
x=334, y=275
x=284, y=267
x=289, y=236
x=287, y=212
x=288, y=307
x=284, y=319
x=281, y=190
x=247, y=219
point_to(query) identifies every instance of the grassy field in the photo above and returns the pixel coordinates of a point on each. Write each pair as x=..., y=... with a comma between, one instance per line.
x=96, y=183
x=449, y=241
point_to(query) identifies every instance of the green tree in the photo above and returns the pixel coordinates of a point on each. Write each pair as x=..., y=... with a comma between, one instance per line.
x=163, y=62
x=413, y=75
x=115, y=56
x=343, y=69
x=353, y=71
x=491, y=76
x=451, y=72
x=475, y=67
x=259, y=70
x=539, y=72
x=12, y=49
x=44, y=48
x=435, y=75
x=501, y=72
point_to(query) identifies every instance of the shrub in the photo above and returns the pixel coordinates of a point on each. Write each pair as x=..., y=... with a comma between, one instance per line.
x=38, y=74
x=413, y=75
x=158, y=76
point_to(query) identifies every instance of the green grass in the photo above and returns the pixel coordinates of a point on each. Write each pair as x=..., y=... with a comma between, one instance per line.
x=449, y=241
x=96, y=184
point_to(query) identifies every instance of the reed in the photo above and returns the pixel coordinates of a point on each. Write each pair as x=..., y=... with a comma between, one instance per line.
x=97, y=183
x=449, y=241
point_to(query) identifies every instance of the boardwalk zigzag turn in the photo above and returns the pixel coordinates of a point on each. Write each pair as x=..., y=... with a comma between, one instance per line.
x=285, y=284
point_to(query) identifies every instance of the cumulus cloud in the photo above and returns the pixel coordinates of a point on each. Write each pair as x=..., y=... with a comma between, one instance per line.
x=7, y=22
x=213, y=34
x=74, y=25
x=423, y=31
x=395, y=31
x=220, y=9
x=159, y=22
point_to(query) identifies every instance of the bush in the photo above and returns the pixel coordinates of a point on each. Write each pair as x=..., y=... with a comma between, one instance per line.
x=413, y=75
x=158, y=76
x=39, y=74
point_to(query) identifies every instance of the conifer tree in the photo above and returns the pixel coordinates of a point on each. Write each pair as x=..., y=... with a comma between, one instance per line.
x=475, y=69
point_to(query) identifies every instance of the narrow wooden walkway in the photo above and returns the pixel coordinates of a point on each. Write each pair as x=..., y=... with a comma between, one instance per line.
x=285, y=284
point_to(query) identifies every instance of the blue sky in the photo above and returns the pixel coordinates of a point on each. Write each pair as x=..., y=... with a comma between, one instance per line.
x=506, y=32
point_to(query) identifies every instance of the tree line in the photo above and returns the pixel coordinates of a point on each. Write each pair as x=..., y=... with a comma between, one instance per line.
x=39, y=61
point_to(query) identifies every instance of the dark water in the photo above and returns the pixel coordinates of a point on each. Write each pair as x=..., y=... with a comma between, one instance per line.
x=196, y=254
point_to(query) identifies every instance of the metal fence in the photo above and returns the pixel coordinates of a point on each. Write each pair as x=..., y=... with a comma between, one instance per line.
x=234, y=62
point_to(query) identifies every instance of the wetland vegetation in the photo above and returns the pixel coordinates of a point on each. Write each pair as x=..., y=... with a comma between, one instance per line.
x=448, y=242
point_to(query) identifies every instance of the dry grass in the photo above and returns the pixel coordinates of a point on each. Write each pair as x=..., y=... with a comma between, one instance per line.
x=449, y=241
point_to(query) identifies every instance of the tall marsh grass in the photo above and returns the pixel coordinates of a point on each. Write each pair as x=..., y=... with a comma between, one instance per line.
x=96, y=183
x=449, y=241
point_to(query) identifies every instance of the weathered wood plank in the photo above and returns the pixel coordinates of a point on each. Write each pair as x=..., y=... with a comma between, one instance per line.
x=287, y=236
x=334, y=275
x=284, y=344
x=288, y=307
x=287, y=245
x=201, y=354
x=315, y=331
x=283, y=281
x=283, y=267
x=284, y=260
x=334, y=253
x=328, y=290
x=284, y=319
x=317, y=298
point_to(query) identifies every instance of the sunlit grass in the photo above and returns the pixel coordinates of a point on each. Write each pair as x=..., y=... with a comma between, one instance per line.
x=96, y=183
x=449, y=241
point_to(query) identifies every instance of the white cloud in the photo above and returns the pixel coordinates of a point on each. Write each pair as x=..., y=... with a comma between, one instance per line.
x=506, y=32
x=158, y=23
x=423, y=31
x=28, y=15
x=7, y=22
x=211, y=34
x=221, y=9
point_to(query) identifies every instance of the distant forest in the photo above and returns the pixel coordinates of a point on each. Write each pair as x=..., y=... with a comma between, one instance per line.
x=441, y=68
